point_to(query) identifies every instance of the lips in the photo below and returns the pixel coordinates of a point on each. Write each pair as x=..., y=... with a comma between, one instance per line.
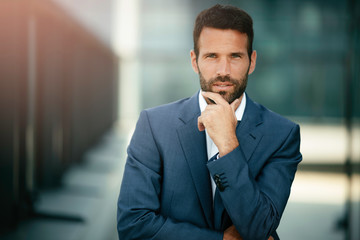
x=223, y=86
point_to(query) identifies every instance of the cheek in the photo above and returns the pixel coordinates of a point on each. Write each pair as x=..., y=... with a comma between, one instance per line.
x=207, y=70
x=240, y=69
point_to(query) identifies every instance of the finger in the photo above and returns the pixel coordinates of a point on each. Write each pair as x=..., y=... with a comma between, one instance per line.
x=235, y=104
x=217, y=98
x=211, y=101
x=201, y=126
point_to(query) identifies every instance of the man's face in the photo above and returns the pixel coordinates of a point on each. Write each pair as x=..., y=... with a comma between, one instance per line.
x=223, y=63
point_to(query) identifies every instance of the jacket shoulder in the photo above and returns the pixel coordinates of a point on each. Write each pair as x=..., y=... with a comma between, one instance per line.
x=273, y=119
x=169, y=110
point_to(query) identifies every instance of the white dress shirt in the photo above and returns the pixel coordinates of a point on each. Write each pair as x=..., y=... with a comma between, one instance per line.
x=210, y=146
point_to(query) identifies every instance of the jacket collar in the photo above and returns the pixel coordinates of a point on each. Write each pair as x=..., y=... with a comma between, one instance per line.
x=248, y=131
x=193, y=143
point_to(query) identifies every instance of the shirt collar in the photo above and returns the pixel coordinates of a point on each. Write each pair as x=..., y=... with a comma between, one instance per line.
x=238, y=113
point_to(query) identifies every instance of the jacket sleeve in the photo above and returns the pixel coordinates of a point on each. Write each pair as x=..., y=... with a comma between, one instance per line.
x=139, y=205
x=255, y=203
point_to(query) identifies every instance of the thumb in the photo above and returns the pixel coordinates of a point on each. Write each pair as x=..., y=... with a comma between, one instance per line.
x=235, y=104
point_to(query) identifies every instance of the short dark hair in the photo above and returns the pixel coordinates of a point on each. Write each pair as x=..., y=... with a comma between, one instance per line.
x=224, y=17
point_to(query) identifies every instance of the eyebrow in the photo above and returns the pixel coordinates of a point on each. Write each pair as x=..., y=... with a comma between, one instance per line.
x=209, y=53
x=239, y=53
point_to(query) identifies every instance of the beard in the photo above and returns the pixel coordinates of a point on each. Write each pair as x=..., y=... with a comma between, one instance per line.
x=239, y=86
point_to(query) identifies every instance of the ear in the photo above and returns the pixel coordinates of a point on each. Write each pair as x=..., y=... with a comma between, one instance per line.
x=252, y=62
x=193, y=61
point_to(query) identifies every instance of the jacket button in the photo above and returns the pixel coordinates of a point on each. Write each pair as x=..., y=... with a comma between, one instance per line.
x=218, y=182
x=220, y=187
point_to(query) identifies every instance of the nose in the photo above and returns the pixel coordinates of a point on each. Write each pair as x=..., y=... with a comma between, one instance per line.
x=223, y=68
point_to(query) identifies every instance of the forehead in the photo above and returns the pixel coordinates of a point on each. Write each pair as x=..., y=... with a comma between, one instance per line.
x=214, y=39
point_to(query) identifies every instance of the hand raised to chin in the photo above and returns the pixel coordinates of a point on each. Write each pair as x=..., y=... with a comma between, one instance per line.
x=220, y=122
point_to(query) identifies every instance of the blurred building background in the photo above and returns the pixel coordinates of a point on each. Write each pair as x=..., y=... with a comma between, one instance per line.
x=74, y=76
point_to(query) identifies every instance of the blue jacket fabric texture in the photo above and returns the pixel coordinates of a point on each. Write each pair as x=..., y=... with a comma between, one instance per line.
x=166, y=189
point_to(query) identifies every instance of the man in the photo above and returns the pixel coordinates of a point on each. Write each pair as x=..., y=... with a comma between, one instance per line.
x=216, y=165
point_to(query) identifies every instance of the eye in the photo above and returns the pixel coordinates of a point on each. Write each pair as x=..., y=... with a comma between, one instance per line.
x=211, y=55
x=236, y=55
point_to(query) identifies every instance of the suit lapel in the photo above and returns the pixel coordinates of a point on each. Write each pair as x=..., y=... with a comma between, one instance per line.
x=247, y=132
x=193, y=143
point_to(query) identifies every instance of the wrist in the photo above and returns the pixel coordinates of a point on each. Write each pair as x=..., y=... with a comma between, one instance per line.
x=228, y=147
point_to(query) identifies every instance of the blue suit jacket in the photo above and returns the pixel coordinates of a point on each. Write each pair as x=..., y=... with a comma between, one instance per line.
x=166, y=189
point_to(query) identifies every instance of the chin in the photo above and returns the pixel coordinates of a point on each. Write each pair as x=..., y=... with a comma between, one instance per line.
x=227, y=98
